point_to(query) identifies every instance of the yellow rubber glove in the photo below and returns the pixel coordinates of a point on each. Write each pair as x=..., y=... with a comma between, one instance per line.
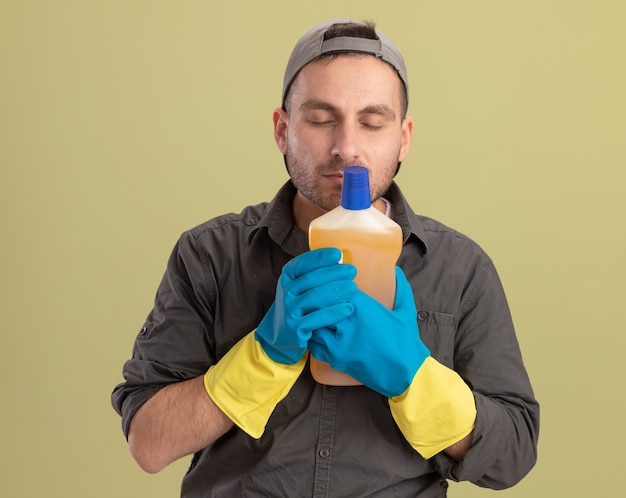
x=258, y=372
x=247, y=385
x=436, y=411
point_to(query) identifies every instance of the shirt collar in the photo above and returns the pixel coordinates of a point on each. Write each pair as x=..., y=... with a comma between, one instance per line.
x=404, y=216
x=278, y=221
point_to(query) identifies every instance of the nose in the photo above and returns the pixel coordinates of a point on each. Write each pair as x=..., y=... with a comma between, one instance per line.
x=346, y=143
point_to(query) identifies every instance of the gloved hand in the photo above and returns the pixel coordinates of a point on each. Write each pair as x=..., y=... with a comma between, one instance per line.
x=313, y=291
x=377, y=346
x=431, y=404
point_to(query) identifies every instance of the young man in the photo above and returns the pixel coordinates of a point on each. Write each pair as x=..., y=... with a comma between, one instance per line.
x=219, y=369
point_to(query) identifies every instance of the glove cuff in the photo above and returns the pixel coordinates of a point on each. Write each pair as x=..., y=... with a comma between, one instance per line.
x=247, y=385
x=436, y=411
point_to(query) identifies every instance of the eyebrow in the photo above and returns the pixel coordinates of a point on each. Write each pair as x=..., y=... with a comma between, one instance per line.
x=316, y=104
x=379, y=109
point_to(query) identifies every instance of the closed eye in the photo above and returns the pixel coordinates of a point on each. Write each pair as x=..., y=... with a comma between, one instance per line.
x=320, y=117
x=320, y=122
x=373, y=124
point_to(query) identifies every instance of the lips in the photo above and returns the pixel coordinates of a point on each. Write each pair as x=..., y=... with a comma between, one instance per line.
x=335, y=178
x=335, y=172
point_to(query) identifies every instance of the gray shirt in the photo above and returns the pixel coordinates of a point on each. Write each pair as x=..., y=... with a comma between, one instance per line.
x=335, y=441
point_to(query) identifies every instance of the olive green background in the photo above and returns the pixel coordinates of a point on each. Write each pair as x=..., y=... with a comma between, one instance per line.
x=123, y=123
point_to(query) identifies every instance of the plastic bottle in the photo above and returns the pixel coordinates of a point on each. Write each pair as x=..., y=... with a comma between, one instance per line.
x=369, y=240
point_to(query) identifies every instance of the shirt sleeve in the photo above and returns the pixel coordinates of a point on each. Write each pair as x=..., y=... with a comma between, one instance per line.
x=487, y=356
x=173, y=345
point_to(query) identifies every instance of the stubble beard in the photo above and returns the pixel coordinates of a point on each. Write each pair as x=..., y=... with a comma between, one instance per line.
x=306, y=180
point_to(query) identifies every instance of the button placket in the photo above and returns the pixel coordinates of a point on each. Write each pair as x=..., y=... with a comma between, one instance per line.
x=326, y=434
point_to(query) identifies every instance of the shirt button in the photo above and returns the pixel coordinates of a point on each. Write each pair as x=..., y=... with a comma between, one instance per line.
x=422, y=315
x=324, y=453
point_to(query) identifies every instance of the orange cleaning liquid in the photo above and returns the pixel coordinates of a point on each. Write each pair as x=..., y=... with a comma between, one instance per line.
x=372, y=242
x=374, y=254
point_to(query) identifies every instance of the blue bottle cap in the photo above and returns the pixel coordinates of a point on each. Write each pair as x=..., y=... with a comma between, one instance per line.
x=355, y=191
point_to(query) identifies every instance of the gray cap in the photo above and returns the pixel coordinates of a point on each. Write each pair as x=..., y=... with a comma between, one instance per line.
x=312, y=45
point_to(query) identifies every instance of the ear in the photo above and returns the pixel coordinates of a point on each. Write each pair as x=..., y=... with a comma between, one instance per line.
x=281, y=124
x=407, y=134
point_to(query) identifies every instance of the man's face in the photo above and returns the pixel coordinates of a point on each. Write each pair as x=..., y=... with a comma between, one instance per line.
x=343, y=111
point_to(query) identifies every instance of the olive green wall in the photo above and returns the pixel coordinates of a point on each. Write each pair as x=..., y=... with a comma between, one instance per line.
x=123, y=123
